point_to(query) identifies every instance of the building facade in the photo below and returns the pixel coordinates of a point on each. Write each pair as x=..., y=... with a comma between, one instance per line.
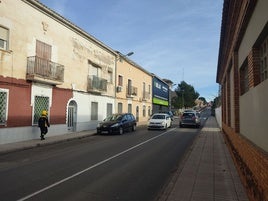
x=133, y=89
x=243, y=75
x=49, y=63
x=161, y=98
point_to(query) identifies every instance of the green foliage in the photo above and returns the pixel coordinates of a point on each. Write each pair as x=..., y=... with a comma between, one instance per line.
x=203, y=99
x=186, y=96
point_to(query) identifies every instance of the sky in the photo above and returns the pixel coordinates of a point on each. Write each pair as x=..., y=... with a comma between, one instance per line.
x=174, y=39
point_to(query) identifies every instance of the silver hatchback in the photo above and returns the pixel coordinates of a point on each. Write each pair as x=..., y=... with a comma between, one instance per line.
x=190, y=119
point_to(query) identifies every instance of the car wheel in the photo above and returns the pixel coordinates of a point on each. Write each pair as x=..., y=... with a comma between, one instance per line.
x=133, y=127
x=165, y=127
x=121, y=131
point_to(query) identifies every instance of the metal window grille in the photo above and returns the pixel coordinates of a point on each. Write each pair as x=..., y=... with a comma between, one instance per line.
x=40, y=103
x=263, y=60
x=3, y=107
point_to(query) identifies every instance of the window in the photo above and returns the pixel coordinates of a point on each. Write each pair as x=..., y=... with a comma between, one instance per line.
x=244, y=80
x=129, y=87
x=94, y=111
x=120, y=80
x=129, y=108
x=120, y=108
x=109, y=109
x=4, y=38
x=43, y=50
x=95, y=71
x=110, y=74
x=40, y=103
x=3, y=106
x=263, y=60
x=149, y=111
x=144, y=111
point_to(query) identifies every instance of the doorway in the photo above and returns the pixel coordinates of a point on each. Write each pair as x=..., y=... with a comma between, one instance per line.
x=72, y=116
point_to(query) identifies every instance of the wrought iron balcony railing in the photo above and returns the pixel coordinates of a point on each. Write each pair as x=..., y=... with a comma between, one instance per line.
x=132, y=91
x=96, y=84
x=145, y=95
x=41, y=68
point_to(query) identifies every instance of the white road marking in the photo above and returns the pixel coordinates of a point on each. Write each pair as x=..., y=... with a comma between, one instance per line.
x=91, y=167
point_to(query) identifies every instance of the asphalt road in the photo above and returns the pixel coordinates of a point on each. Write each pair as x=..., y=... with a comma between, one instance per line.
x=134, y=166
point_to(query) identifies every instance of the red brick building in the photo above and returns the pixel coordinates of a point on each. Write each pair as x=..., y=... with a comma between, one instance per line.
x=243, y=76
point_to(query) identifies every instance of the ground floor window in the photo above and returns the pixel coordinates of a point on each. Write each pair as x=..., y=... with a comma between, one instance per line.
x=144, y=111
x=120, y=108
x=40, y=103
x=3, y=106
x=129, y=108
x=109, y=109
x=94, y=111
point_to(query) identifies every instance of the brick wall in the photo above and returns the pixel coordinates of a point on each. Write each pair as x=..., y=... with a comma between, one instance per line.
x=251, y=163
x=254, y=67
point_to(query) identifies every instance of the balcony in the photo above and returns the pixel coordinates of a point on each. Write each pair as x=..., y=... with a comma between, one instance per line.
x=145, y=95
x=132, y=91
x=42, y=70
x=96, y=84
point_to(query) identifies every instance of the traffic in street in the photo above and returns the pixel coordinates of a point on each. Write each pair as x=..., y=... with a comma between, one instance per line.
x=133, y=166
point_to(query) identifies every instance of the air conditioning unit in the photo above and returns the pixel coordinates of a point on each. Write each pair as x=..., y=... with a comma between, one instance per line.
x=119, y=88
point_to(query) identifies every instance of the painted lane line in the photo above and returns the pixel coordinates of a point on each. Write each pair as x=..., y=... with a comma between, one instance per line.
x=91, y=167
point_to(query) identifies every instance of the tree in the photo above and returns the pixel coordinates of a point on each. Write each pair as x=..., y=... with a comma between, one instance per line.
x=186, y=96
x=203, y=99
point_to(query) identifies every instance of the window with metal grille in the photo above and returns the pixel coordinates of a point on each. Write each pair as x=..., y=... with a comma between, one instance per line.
x=244, y=79
x=263, y=60
x=40, y=103
x=3, y=107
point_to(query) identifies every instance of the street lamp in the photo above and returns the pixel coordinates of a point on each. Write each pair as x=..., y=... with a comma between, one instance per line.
x=129, y=54
x=120, y=55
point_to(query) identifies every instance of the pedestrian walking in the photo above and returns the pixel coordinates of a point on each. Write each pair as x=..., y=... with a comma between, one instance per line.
x=43, y=124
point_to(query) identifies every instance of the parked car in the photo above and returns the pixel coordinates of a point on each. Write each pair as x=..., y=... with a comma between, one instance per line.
x=159, y=121
x=190, y=118
x=117, y=123
x=170, y=113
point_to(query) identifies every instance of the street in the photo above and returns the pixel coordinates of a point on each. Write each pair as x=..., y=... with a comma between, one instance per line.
x=133, y=166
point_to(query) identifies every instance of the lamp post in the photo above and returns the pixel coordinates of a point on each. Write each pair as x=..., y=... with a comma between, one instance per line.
x=120, y=55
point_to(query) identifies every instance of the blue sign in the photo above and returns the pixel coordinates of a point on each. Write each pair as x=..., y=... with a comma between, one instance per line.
x=160, y=89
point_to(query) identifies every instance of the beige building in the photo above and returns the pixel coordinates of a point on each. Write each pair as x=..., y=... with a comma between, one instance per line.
x=49, y=63
x=133, y=89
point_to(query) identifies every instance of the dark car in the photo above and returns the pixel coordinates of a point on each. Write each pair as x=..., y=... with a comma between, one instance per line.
x=117, y=123
x=190, y=118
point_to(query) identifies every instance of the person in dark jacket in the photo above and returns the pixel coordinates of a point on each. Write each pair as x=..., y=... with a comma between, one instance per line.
x=43, y=124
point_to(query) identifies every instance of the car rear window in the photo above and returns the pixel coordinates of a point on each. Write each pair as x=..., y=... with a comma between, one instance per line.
x=158, y=116
x=188, y=114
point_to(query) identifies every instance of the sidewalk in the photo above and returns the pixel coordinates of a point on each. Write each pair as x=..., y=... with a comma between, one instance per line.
x=17, y=146
x=207, y=172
